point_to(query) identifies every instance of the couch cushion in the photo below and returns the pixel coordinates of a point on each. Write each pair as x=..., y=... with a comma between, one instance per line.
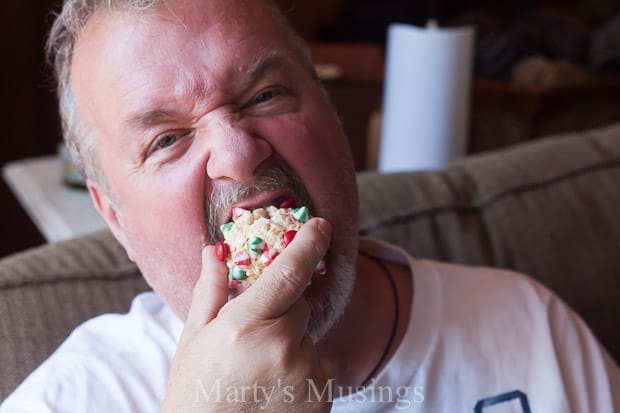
x=549, y=208
x=46, y=292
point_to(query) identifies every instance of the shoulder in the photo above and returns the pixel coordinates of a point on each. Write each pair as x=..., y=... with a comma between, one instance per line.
x=484, y=292
x=498, y=323
x=492, y=309
x=454, y=278
x=148, y=326
x=506, y=315
x=488, y=285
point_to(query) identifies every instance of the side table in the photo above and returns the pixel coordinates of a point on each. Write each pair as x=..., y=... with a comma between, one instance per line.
x=60, y=212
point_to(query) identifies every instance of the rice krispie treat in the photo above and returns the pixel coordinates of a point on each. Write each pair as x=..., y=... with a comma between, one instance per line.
x=255, y=238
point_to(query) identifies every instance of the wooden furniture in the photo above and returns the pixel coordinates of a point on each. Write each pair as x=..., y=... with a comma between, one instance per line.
x=356, y=93
x=503, y=114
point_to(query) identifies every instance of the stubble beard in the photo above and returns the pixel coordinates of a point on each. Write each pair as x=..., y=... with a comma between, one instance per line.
x=327, y=304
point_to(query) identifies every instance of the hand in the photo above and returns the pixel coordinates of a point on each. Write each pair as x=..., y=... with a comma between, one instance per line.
x=253, y=351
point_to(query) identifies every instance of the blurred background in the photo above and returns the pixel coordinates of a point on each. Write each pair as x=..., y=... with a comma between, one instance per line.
x=540, y=67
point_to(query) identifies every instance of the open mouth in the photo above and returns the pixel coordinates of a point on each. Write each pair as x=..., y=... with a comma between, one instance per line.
x=283, y=199
x=282, y=202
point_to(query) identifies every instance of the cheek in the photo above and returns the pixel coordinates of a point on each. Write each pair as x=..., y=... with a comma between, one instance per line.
x=171, y=202
x=309, y=142
x=163, y=216
x=316, y=148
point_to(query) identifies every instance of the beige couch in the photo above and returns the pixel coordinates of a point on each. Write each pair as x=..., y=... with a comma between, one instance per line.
x=550, y=208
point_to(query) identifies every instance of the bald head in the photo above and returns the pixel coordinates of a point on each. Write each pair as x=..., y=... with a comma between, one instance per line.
x=65, y=34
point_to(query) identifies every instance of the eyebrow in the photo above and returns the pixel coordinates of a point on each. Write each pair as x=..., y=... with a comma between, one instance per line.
x=150, y=118
x=267, y=61
x=270, y=60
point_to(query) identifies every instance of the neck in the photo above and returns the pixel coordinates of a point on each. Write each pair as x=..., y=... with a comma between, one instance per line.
x=366, y=332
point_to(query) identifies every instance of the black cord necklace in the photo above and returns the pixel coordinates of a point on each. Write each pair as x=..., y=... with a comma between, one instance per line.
x=390, y=277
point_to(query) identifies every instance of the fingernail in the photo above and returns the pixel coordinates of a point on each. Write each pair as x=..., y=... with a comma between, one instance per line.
x=324, y=227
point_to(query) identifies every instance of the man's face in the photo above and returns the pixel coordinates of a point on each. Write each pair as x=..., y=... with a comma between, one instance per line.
x=198, y=97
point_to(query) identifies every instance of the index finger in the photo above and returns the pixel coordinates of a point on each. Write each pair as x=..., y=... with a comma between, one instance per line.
x=210, y=291
x=283, y=282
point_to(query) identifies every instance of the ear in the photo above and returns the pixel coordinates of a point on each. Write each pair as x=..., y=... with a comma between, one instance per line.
x=105, y=207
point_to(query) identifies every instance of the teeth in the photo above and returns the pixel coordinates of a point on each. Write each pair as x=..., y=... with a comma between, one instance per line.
x=279, y=202
x=276, y=202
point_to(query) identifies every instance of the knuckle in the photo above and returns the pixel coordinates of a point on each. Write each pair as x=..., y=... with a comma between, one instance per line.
x=306, y=367
x=319, y=241
x=283, y=350
x=288, y=278
x=318, y=250
x=234, y=327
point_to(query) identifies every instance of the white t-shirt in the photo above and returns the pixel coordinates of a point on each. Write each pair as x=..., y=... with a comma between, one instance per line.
x=479, y=340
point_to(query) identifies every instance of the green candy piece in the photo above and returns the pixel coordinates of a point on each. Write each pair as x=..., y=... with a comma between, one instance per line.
x=301, y=214
x=256, y=245
x=226, y=227
x=238, y=274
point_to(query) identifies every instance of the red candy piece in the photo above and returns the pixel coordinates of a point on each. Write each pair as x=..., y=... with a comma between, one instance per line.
x=320, y=268
x=234, y=283
x=288, y=236
x=268, y=256
x=236, y=212
x=242, y=259
x=221, y=251
x=287, y=203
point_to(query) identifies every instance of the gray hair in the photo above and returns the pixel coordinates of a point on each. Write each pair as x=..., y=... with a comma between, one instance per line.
x=61, y=42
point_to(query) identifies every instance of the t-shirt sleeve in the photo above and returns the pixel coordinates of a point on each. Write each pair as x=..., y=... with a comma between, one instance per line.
x=111, y=363
x=70, y=384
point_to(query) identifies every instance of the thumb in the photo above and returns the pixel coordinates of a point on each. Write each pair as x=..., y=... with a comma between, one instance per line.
x=284, y=281
x=210, y=292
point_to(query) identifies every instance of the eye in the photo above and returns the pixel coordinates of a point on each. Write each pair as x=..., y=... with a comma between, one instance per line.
x=165, y=141
x=266, y=95
x=271, y=101
x=168, y=139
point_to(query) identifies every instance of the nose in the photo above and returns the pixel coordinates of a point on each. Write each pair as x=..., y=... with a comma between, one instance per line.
x=235, y=152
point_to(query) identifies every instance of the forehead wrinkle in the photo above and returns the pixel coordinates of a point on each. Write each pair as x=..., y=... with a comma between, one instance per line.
x=197, y=88
x=199, y=91
x=186, y=96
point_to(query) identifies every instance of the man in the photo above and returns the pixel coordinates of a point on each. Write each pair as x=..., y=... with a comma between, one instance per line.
x=177, y=112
